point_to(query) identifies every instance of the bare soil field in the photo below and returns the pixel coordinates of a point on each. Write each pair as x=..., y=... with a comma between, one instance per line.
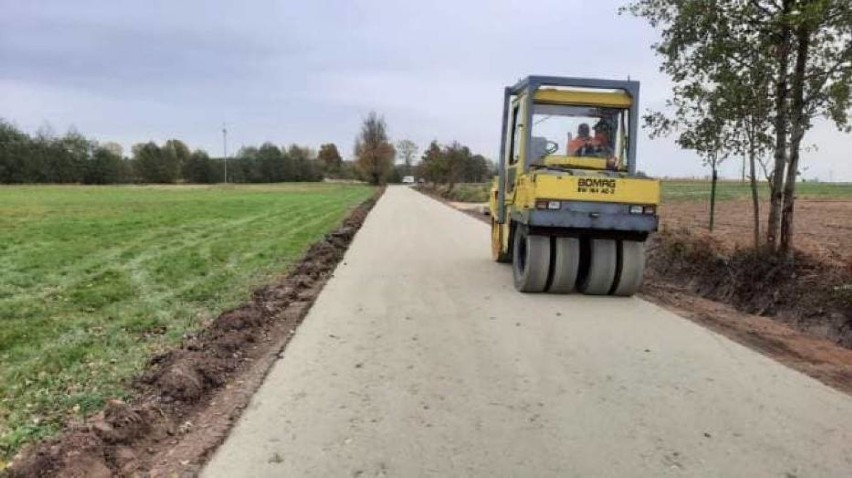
x=823, y=226
x=814, y=294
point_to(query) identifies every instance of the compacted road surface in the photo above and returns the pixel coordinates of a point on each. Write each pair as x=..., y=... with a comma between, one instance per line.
x=420, y=359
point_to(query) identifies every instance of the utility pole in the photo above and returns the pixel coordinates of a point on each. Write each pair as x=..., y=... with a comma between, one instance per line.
x=225, y=147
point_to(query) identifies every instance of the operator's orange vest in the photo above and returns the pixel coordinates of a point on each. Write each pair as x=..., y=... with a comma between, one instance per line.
x=577, y=143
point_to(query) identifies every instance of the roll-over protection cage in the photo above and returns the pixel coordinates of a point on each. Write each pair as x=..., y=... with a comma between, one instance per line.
x=529, y=86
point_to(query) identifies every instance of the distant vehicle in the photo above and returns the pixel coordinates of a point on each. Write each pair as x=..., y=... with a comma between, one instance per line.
x=408, y=180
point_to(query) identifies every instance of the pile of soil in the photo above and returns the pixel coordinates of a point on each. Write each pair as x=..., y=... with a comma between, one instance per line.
x=809, y=294
x=188, y=398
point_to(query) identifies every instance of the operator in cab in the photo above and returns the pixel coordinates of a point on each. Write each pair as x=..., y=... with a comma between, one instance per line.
x=582, y=144
x=601, y=141
x=603, y=146
x=598, y=145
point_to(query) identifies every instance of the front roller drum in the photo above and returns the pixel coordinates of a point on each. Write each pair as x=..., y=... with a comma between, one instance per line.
x=530, y=261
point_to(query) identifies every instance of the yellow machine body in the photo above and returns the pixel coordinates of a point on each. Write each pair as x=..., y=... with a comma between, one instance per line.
x=593, y=198
x=537, y=186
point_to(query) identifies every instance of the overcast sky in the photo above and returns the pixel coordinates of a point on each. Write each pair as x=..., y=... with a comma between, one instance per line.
x=307, y=72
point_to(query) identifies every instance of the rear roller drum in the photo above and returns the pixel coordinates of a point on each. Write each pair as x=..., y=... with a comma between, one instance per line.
x=602, y=264
x=631, y=268
x=566, y=263
x=531, y=261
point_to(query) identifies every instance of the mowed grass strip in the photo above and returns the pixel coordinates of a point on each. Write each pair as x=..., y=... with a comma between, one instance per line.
x=95, y=280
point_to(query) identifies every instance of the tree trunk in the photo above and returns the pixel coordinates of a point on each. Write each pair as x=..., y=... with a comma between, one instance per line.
x=755, y=200
x=781, y=122
x=713, y=197
x=798, y=118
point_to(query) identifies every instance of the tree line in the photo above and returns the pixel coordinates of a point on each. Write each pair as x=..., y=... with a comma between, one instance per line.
x=452, y=164
x=45, y=158
x=74, y=158
x=750, y=78
x=440, y=164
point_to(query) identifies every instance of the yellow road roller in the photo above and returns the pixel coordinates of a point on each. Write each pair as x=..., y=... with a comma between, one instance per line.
x=568, y=208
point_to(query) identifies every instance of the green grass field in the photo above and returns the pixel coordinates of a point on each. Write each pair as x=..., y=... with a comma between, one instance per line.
x=94, y=280
x=725, y=190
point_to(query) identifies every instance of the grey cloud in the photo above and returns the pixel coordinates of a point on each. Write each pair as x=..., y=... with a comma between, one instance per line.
x=309, y=71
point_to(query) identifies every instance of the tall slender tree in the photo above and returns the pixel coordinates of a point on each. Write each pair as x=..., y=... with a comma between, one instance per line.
x=713, y=47
x=407, y=151
x=821, y=84
x=374, y=151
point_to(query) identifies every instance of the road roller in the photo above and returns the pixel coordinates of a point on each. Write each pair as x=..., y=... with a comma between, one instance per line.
x=569, y=209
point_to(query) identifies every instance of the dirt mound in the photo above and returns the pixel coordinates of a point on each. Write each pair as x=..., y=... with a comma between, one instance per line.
x=809, y=294
x=87, y=450
x=187, y=391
